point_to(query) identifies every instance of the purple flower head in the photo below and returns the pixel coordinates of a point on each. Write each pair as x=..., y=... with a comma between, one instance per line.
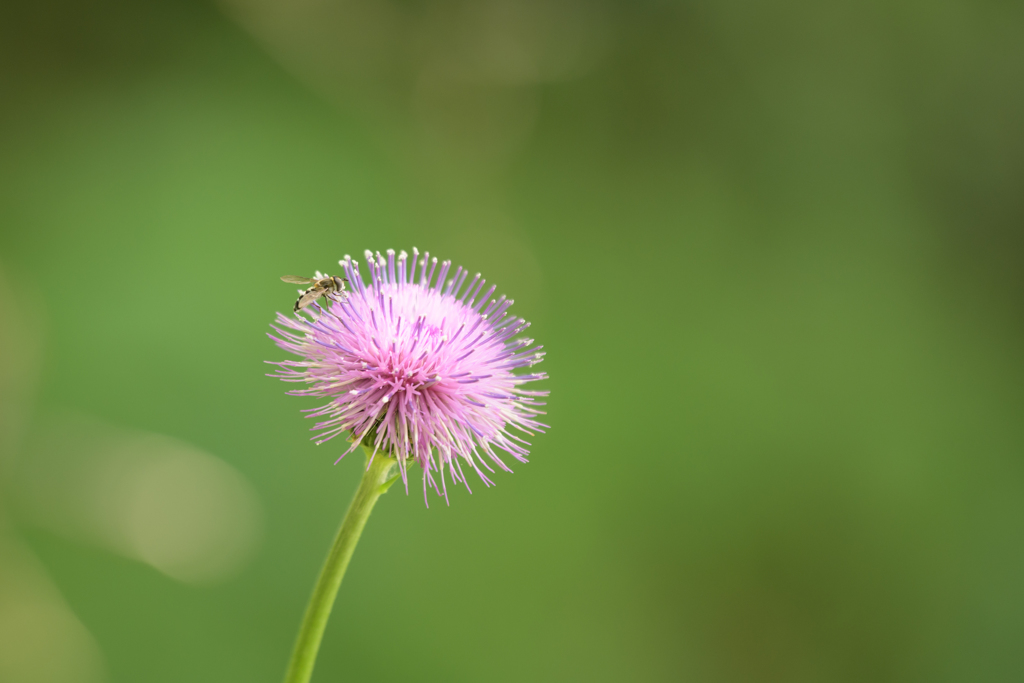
x=417, y=365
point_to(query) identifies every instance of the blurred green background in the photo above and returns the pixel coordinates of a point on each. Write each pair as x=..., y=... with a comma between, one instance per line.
x=775, y=252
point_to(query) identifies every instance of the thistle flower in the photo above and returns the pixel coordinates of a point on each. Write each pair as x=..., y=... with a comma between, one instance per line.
x=419, y=366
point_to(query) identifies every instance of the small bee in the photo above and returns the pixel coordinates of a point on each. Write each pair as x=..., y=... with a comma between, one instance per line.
x=321, y=285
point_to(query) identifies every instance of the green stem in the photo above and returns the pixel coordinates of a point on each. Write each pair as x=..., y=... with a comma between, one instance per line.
x=374, y=483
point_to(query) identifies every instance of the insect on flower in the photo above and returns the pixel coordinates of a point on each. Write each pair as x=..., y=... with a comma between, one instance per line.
x=320, y=286
x=419, y=363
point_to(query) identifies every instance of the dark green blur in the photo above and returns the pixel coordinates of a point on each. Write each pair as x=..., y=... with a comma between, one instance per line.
x=775, y=253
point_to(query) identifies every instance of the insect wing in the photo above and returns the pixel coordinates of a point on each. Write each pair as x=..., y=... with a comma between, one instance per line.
x=296, y=280
x=308, y=297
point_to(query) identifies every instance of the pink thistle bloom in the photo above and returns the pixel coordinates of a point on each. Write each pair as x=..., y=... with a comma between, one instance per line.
x=417, y=366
